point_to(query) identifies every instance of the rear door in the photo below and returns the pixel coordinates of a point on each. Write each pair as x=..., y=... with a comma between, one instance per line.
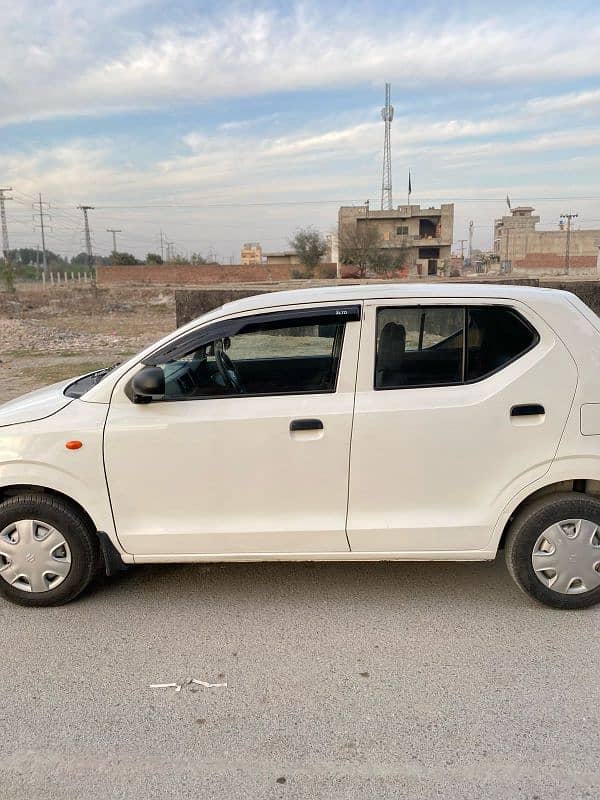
x=459, y=405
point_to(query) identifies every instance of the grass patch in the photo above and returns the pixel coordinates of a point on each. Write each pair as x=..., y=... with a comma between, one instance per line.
x=45, y=374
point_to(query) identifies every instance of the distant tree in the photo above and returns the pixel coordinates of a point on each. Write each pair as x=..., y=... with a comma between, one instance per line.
x=360, y=246
x=153, y=258
x=387, y=262
x=197, y=258
x=81, y=260
x=310, y=246
x=123, y=259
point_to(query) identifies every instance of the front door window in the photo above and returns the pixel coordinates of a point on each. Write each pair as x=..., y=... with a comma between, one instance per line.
x=279, y=357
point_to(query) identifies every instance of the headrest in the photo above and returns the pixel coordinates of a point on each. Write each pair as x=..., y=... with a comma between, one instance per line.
x=392, y=345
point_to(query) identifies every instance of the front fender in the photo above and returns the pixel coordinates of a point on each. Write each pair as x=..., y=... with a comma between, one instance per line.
x=34, y=453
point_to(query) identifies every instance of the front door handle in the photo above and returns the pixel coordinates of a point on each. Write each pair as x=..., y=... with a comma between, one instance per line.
x=527, y=410
x=306, y=425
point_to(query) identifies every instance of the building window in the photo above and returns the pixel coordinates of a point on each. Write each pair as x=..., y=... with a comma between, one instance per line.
x=402, y=230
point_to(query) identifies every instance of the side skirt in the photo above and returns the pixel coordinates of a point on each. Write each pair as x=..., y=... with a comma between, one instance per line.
x=443, y=555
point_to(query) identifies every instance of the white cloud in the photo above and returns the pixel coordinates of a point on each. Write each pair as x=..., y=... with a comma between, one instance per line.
x=240, y=54
x=574, y=101
x=74, y=58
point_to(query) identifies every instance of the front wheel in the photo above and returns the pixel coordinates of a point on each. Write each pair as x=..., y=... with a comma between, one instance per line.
x=48, y=551
x=553, y=550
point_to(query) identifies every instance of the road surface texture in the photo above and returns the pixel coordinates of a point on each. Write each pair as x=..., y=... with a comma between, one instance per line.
x=343, y=681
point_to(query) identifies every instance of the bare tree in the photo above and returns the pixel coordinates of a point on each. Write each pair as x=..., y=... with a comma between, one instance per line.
x=360, y=247
x=310, y=245
x=387, y=262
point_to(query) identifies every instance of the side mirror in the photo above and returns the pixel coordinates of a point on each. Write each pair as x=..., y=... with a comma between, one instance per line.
x=149, y=382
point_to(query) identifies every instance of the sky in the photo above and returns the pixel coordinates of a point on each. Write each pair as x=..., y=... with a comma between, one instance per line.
x=220, y=123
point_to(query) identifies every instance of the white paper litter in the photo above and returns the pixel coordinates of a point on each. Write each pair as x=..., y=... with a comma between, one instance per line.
x=209, y=685
x=187, y=682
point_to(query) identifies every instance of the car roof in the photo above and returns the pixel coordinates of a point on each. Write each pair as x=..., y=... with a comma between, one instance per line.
x=389, y=291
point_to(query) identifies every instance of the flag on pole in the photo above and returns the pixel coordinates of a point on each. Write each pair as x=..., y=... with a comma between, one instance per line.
x=508, y=201
x=409, y=184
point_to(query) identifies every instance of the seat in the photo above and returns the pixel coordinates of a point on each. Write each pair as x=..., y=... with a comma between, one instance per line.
x=390, y=355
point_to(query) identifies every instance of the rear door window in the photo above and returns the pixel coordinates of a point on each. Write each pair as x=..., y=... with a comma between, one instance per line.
x=496, y=336
x=421, y=346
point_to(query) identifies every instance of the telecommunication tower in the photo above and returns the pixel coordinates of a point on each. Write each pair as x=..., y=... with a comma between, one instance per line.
x=387, y=114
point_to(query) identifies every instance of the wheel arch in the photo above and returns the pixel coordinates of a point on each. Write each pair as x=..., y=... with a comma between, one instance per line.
x=31, y=488
x=586, y=486
x=112, y=556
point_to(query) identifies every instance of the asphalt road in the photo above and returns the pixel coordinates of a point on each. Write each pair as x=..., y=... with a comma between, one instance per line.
x=344, y=681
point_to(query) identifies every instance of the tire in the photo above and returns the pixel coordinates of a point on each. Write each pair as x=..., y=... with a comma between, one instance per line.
x=573, y=547
x=77, y=558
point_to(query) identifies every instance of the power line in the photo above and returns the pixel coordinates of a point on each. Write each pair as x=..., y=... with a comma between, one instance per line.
x=346, y=201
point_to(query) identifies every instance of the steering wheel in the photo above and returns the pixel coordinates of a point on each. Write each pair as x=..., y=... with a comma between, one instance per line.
x=227, y=370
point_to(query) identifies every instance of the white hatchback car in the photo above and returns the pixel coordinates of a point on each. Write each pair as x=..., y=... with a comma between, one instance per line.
x=382, y=422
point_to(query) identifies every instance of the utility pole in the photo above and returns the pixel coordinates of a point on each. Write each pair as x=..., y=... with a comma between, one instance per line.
x=471, y=227
x=162, y=246
x=8, y=268
x=88, y=238
x=5, y=244
x=42, y=214
x=462, y=242
x=114, y=232
x=568, y=217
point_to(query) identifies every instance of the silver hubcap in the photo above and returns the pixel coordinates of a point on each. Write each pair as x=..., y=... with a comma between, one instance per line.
x=566, y=557
x=34, y=556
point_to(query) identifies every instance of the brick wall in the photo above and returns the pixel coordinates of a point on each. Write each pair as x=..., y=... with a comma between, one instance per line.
x=203, y=274
x=554, y=264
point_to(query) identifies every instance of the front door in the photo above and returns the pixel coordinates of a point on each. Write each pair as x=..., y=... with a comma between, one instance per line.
x=459, y=405
x=247, y=453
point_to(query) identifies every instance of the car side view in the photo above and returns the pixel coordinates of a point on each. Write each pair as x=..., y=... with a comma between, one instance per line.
x=382, y=422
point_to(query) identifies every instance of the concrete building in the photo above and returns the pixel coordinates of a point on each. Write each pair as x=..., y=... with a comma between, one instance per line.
x=282, y=257
x=426, y=233
x=251, y=253
x=522, y=249
x=291, y=257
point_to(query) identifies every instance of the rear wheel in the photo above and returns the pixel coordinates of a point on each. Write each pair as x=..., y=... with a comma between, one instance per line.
x=553, y=550
x=48, y=551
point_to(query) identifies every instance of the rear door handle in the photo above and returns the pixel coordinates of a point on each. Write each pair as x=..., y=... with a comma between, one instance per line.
x=527, y=410
x=306, y=425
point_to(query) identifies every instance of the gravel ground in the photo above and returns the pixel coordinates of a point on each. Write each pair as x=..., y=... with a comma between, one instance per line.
x=47, y=337
x=343, y=680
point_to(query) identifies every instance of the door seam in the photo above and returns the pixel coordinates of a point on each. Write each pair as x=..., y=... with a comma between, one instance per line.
x=362, y=318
